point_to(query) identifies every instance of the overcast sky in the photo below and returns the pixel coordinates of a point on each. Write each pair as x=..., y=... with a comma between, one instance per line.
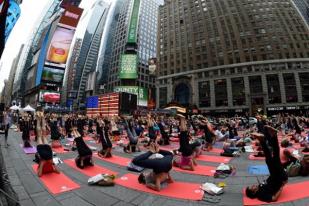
x=32, y=12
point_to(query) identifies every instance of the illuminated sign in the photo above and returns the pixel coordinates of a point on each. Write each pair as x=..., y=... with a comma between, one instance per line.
x=128, y=66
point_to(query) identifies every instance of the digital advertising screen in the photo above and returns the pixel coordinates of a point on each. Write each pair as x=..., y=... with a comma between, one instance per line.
x=49, y=97
x=128, y=66
x=60, y=45
x=142, y=93
x=52, y=75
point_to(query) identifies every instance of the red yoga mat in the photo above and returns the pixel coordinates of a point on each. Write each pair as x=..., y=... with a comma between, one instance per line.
x=169, y=147
x=199, y=170
x=89, y=171
x=290, y=192
x=252, y=157
x=57, y=183
x=123, y=161
x=210, y=158
x=59, y=150
x=174, y=139
x=216, y=150
x=180, y=190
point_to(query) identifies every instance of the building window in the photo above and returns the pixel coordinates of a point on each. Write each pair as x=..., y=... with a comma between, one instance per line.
x=162, y=96
x=255, y=83
x=304, y=84
x=238, y=91
x=290, y=87
x=221, y=93
x=273, y=86
x=204, y=94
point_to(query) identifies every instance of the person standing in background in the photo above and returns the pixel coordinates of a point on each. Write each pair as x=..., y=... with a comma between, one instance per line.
x=7, y=121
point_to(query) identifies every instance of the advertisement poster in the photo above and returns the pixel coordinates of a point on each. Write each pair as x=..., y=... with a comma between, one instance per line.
x=70, y=17
x=52, y=75
x=134, y=22
x=60, y=45
x=49, y=97
x=128, y=66
x=152, y=66
x=142, y=93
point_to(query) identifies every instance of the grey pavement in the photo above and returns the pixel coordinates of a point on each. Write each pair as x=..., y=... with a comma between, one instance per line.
x=31, y=191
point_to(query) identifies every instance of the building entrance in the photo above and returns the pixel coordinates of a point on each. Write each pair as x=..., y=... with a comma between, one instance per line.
x=182, y=94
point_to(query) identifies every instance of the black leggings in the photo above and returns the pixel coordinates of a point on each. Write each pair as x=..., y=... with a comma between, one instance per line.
x=133, y=138
x=6, y=132
x=158, y=165
x=272, y=159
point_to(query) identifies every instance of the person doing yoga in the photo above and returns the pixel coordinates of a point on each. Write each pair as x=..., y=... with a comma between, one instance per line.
x=160, y=162
x=269, y=190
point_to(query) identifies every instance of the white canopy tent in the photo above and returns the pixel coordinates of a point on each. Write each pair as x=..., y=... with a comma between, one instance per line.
x=14, y=107
x=28, y=108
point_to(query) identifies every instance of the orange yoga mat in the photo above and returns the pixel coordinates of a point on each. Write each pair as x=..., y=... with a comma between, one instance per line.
x=210, y=158
x=123, y=161
x=180, y=190
x=57, y=183
x=252, y=157
x=89, y=171
x=290, y=192
x=199, y=170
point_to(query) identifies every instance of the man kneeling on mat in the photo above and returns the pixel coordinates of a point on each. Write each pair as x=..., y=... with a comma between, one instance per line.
x=269, y=190
x=160, y=162
x=44, y=157
x=84, y=157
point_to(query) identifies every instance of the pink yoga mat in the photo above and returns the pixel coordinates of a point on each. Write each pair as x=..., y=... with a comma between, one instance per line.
x=122, y=161
x=210, y=158
x=199, y=170
x=87, y=138
x=290, y=192
x=180, y=190
x=89, y=171
x=28, y=150
x=252, y=157
x=56, y=183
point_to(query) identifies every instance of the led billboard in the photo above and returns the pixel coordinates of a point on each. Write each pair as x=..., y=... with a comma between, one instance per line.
x=128, y=66
x=49, y=97
x=60, y=45
x=142, y=93
x=52, y=75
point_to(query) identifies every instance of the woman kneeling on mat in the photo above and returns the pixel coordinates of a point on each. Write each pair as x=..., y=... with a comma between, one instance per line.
x=84, y=157
x=103, y=132
x=160, y=162
x=44, y=157
x=269, y=190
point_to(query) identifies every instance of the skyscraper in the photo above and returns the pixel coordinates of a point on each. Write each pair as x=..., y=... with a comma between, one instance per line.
x=233, y=56
x=145, y=46
x=67, y=91
x=88, y=56
x=303, y=7
x=107, y=41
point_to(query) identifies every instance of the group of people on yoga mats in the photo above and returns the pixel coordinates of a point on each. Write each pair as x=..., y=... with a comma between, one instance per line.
x=146, y=134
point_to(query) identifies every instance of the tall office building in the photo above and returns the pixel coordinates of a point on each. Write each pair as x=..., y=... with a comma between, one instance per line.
x=68, y=93
x=303, y=7
x=233, y=56
x=146, y=42
x=89, y=52
x=106, y=46
x=31, y=48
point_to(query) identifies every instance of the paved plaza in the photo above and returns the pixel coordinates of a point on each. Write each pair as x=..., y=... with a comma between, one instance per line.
x=31, y=191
